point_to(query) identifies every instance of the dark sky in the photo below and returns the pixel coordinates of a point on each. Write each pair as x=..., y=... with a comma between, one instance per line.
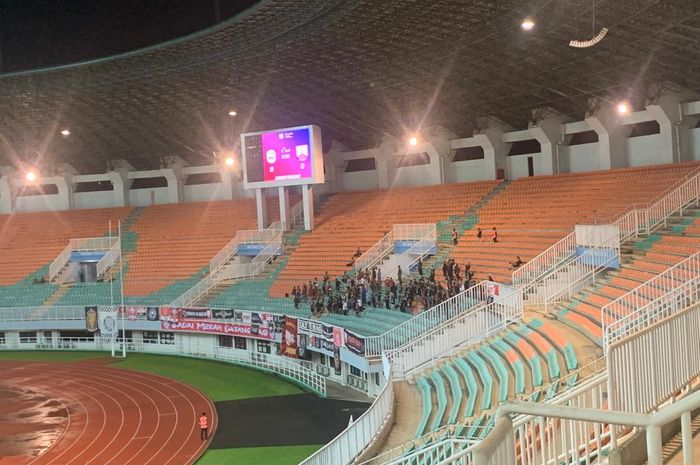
x=39, y=33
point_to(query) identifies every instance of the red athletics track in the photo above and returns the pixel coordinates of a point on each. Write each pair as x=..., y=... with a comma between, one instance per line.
x=118, y=417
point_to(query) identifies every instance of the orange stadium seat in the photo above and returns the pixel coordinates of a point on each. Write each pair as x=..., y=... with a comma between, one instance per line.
x=29, y=241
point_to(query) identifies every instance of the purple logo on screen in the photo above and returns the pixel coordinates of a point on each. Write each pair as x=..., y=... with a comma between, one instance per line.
x=287, y=155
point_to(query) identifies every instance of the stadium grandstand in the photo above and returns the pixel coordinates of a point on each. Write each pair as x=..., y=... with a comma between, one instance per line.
x=325, y=232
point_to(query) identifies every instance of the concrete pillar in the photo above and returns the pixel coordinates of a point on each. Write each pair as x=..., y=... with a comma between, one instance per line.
x=7, y=196
x=283, y=196
x=612, y=136
x=261, y=206
x=494, y=147
x=121, y=184
x=307, y=197
x=654, y=446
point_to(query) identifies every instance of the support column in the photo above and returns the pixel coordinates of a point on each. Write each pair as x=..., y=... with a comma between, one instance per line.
x=654, y=445
x=687, y=438
x=307, y=197
x=261, y=206
x=285, y=220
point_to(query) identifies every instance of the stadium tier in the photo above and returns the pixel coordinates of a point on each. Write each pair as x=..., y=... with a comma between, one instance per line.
x=176, y=242
x=30, y=241
x=352, y=220
x=531, y=214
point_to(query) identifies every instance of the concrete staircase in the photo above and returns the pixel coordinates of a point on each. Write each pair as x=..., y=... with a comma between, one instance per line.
x=640, y=261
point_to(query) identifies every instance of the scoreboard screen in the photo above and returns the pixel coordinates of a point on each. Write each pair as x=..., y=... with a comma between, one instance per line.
x=282, y=157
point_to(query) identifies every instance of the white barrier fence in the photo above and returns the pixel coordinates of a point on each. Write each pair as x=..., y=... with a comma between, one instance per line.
x=385, y=245
x=419, y=250
x=638, y=220
x=279, y=365
x=273, y=246
x=574, y=434
x=88, y=244
x=572, y=276
x=245, y=236
x=427, y=320
x=470, y=327
x=354, y=439
x=110, y=258
x=651, y=365
x=658, y=298
x=541, y=264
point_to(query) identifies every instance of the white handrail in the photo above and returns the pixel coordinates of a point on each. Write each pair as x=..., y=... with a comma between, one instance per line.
x=564, y=281
x=234, y=270
x=658, y=298
x=572, y=422
x=361, y=433
x=631, y=223
x=417, y=251
x=375, y=253
x=109, y=259
x=243, y=236
x=427, y=320
x=470, y=327
x=281, y=365
x=543, y=262
x=78, y=245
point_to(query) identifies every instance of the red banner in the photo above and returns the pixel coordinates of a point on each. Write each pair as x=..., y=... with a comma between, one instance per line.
x=289, y=338
x=213, y=327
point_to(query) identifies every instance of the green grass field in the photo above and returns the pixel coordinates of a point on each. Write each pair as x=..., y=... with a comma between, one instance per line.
x=220, y=381
x=282, y=455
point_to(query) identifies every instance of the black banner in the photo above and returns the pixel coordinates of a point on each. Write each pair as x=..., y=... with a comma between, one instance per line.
x=354, y=343
x=221, y=314
x=194, y=313
x=153, y=313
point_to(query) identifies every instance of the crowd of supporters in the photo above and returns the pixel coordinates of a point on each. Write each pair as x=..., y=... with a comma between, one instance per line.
x=367, y=288
x=352, y=293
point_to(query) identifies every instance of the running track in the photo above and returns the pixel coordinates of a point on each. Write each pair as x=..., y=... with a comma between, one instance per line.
x=118, y=417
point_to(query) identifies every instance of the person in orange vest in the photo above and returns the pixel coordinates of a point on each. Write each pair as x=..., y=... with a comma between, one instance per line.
x=204, y=426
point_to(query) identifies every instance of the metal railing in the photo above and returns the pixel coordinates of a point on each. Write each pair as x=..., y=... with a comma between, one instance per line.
x=277, y=364
x=574, y=434
x=375, y=253
x=385, y=245
x=658, y=298
x=443, y=340
x=632, y=222
x=422, y=247
x=231, y=271
x=109, y=259
x=360, y=434
x=542, y=263
x=244, y=236
x=652, y=365
x=79, y=245
x=427, y=320
x=568, y=279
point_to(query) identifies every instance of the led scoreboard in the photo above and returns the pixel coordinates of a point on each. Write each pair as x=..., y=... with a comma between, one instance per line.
x=282, y=157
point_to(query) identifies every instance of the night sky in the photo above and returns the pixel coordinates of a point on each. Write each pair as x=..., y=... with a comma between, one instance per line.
x=40, y=33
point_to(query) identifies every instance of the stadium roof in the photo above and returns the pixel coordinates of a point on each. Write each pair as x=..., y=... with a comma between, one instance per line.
x=360, y=69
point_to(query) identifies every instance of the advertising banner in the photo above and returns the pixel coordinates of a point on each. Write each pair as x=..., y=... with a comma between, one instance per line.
x=91, y=319
x=221, y=314
x=216, y=327
x=132, y=313
x=354, y=343
x=153, y=313
x=289, y=338
x=108, y=321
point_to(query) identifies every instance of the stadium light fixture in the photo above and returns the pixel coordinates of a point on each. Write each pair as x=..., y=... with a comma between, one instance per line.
x=623, y=108
x=30, y=176
x=232, y=113
x=65, y=133
x=229, y=161
x=413, y=141
x=528, y=24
